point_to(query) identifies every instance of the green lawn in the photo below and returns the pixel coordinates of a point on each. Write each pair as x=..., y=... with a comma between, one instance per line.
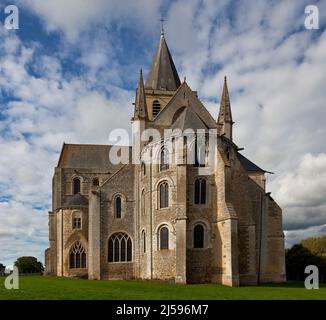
x=37, y=287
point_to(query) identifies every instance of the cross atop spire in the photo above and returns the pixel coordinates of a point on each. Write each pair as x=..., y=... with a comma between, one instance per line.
x=162, y=25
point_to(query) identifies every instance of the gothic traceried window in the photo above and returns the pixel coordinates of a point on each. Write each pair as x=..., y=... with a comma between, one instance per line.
x=120, y=248
x=77, y=257
x=199, y=236
x=76, y=185
x=200, y=191
x=163, y=238
x=163, y=195
x=117, y=207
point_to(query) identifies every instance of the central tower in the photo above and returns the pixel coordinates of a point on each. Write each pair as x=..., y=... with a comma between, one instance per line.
x=162, y=80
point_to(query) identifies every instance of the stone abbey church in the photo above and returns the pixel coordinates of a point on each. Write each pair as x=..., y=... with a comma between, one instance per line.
x=167, y=220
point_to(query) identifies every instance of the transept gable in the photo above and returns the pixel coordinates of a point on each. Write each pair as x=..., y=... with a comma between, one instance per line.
x=184, y=98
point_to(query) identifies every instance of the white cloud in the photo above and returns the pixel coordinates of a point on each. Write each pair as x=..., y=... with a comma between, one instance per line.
x=307, y=185
x=45, y=111
x=74, y=17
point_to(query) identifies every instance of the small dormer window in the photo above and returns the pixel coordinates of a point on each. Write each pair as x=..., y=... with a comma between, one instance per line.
x=156, y=108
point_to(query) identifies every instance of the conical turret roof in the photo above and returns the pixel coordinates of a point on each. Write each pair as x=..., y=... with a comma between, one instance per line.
x=225, y=114
x=140, y=103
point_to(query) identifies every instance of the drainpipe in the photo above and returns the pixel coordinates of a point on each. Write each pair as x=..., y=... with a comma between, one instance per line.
x=151, y=213
x=260, y=236
x=61, y=243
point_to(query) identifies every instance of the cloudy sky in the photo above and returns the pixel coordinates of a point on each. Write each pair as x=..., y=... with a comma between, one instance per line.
x=70, y=72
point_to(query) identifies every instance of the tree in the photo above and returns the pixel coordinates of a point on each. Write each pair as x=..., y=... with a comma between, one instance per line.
x=29, y=265
x=2, y=269
x=316, y=246
x=298, y=258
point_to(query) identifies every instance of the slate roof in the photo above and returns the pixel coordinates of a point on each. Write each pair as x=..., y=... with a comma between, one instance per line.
x=76, y=201
x=87, y=156
x=163, y=75
x=188, y=120
x=248, y=165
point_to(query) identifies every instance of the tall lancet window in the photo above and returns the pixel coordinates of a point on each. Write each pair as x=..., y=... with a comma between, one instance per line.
x=164, y=238
x=117, y=207
x=163, y=195
x=156, y=108
x=143, y=168
x=164, y=159
x=144, y=241
x=201, y=153
x=200, y=191
x=76, y=185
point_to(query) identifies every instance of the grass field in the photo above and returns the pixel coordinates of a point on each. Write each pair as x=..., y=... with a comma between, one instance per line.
x=49, y=288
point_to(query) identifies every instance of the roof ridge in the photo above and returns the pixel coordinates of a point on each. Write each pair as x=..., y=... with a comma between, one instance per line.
x=95, y=144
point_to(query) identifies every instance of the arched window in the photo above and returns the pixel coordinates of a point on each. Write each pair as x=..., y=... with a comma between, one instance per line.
x=143, y=208
x=199, y=236
x=164, y=195
x=77, y=257
x=164, y=159
x=117, y=207
x=200, y=191
x=120, y=248
x=96, y=182
x=144, y=241
x=156, y=108
x=164, y=238
x=76, y=185
x=201, y=153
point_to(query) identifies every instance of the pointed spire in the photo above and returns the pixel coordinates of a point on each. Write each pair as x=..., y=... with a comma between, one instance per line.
x=140, y=104
x=225, y=115
x=163, y=74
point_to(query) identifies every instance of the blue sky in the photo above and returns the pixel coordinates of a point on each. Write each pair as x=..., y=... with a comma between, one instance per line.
x=70, y=72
